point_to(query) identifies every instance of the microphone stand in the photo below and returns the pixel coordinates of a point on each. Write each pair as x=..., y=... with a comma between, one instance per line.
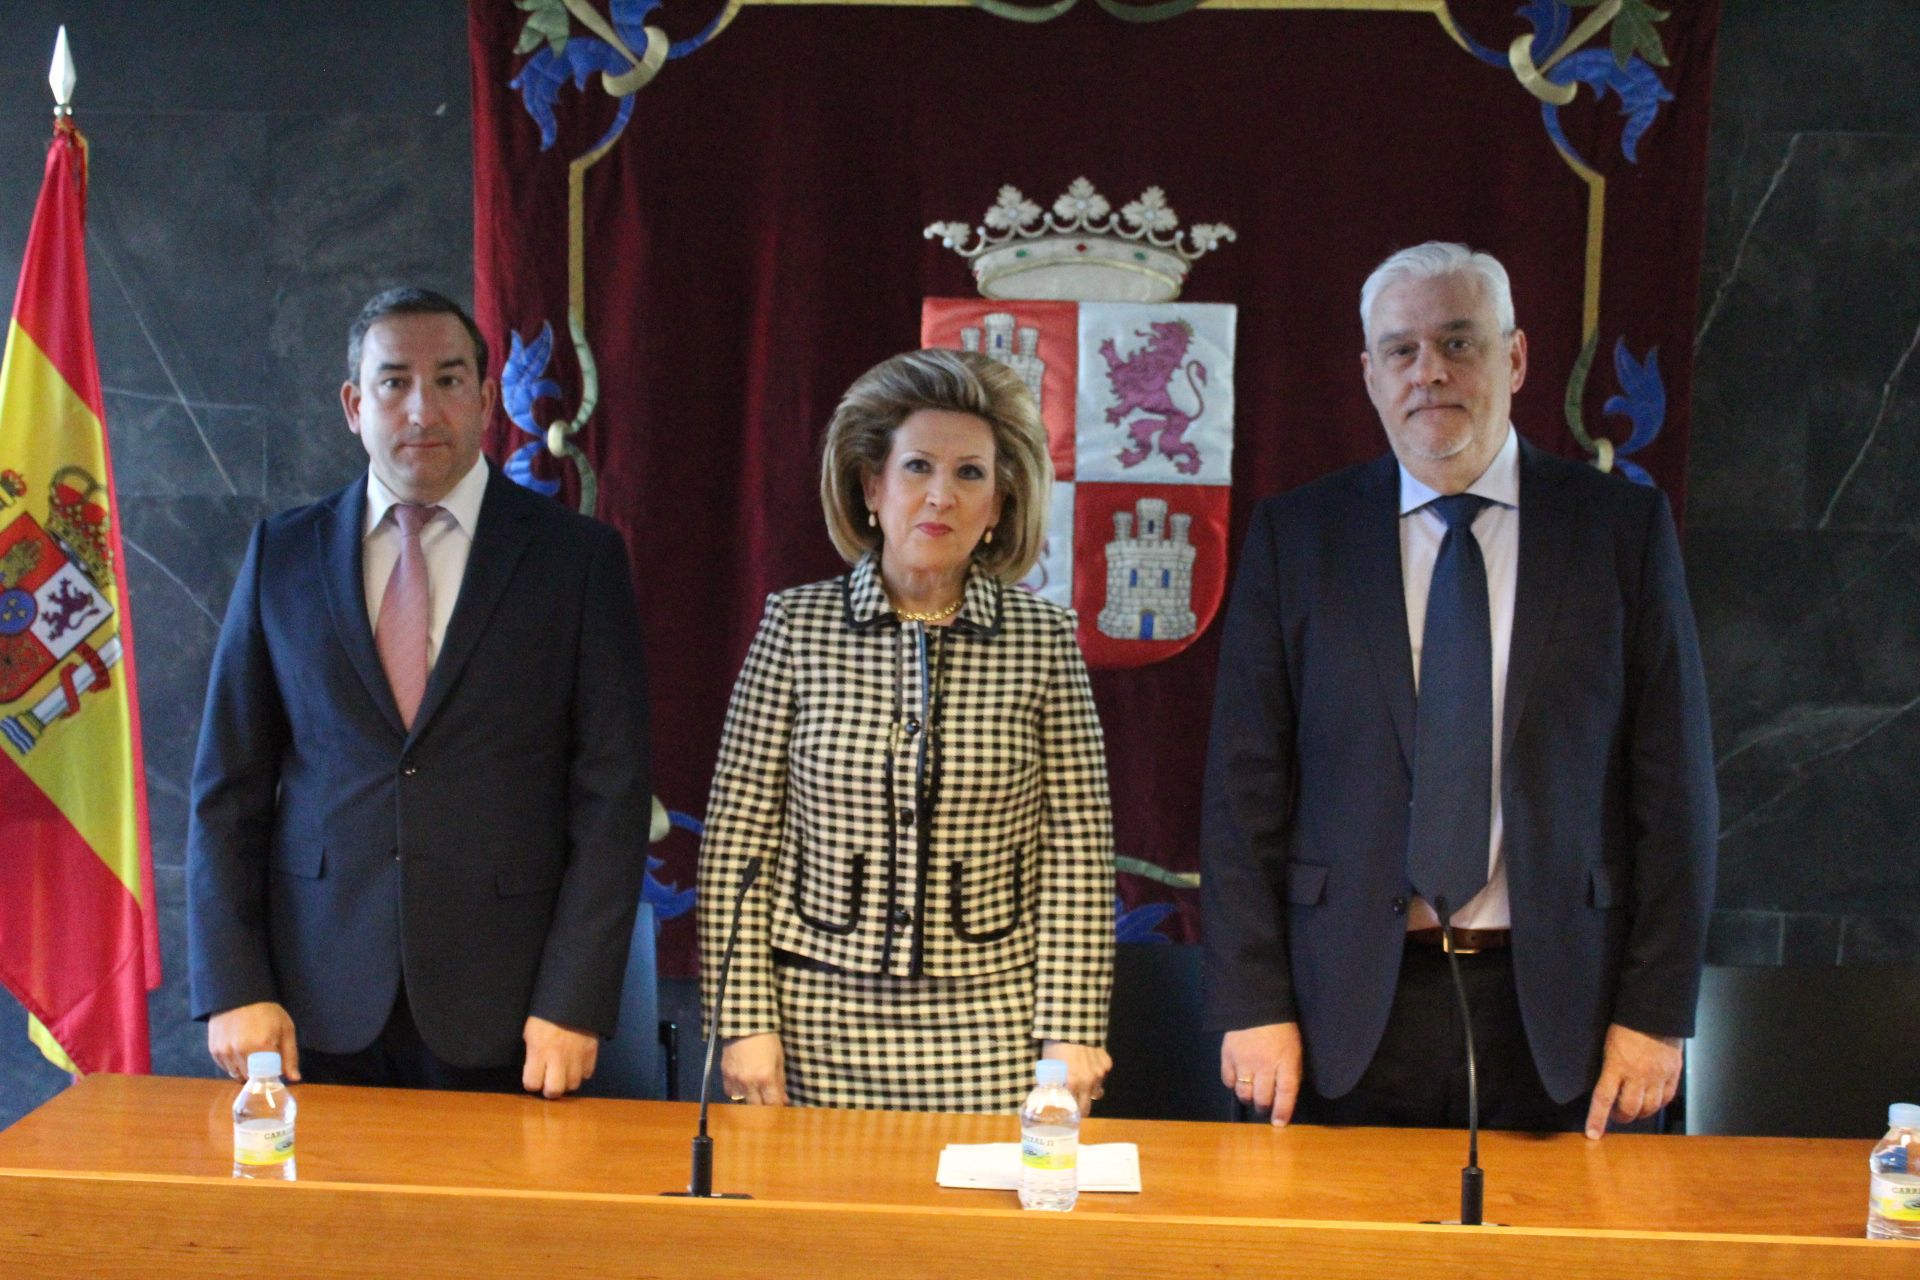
x=1472, y=1182
x=700, y=1181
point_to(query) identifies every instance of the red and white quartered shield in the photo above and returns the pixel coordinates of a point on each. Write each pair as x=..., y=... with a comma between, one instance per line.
x=1138, y=402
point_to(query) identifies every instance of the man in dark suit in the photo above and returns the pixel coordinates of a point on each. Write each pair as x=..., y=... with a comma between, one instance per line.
x=420, y=802
x=1460, y=682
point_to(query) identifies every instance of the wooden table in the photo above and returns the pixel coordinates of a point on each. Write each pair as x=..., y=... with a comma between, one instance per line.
x=129, y=1176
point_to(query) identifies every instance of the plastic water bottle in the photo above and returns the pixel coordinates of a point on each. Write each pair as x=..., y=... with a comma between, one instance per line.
x=263, y=1122
x=1049, y=1141
x=1893, y=1203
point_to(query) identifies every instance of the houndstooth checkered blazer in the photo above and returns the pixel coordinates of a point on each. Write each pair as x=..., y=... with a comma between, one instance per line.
x=929, y=801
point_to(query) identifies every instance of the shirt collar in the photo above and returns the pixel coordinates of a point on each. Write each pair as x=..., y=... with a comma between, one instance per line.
x=867, y=606
x=1500, y=482
x=462, y=501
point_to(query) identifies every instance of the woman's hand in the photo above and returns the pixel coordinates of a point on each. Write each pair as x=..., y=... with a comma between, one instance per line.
x=754, y=1070
x=1087, y=1067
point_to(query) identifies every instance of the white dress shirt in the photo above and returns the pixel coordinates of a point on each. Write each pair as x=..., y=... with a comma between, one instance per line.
x=445, y=541
x=1498, y=531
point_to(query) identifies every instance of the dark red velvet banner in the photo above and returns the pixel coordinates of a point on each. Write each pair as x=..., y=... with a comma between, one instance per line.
x=744, y=212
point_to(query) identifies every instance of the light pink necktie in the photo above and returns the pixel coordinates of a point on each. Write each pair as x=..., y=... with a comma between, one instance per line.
x=401, y=631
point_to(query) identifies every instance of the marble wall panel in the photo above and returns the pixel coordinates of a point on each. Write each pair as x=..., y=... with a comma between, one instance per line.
x=1805, y=415
x=240, y=55
x=1839, y=65
x=182, y=557
x=1737, y=937
x=359, y=203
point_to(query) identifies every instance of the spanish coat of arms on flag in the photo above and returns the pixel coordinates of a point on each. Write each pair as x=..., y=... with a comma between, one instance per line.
x=79, y=943
x=1138, y=403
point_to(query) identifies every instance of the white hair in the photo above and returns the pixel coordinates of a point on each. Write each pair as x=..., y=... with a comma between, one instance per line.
x=1433, y=259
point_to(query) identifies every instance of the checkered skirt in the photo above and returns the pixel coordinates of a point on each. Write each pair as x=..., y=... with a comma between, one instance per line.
x=906, y=1044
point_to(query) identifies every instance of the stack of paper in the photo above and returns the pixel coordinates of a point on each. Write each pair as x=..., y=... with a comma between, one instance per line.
x=995, y=1166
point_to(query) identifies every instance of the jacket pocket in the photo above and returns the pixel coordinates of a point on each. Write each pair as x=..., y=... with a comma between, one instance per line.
x=302, y=858
x=1306, y=884
x=856, y=894
x=957, y=903
x=1606, y=887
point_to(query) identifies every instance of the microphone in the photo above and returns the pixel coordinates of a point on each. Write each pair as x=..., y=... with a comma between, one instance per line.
x=700, y=1182
x=1472, y=1182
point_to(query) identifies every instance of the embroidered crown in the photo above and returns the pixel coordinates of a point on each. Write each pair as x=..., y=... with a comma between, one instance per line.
x=1081, y=251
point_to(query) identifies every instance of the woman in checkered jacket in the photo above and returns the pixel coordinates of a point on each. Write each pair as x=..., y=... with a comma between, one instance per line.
x=912, y=749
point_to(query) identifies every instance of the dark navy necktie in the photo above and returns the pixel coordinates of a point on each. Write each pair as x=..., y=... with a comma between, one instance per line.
x=1452, y=816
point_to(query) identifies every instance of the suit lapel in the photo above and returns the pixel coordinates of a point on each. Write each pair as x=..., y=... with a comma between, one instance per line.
x=1546, y=517
x=1379, y=592
x=498, y=544
x=340, y=535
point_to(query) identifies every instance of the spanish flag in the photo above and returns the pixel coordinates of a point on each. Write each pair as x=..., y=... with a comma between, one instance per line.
x=78, y=942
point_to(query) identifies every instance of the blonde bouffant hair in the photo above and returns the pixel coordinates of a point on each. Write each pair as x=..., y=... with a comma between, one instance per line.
x=860, y=436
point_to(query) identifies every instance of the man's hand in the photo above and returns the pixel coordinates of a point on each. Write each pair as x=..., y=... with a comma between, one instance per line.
x=559, y=1059
x=1638, y=1075
x=1087, y=1068
x=754, y=1069
x=252, y=1028
x=1262, y=1067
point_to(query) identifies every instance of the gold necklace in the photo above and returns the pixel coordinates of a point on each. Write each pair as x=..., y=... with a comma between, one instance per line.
x=938, y=615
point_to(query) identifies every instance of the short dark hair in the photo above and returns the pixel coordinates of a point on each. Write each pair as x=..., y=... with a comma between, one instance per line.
x=409, y=301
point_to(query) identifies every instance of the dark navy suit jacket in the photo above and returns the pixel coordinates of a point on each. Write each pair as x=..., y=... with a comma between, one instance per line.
x=1607, y=782
x=492, y=858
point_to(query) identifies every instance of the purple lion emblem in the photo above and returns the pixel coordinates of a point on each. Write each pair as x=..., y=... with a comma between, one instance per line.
x=1143, y=383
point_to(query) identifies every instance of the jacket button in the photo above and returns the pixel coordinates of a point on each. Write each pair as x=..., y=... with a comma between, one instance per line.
x=906, y=816
x=1399, y=906
x=902, y=916
x=913, y=726
x=409, y=770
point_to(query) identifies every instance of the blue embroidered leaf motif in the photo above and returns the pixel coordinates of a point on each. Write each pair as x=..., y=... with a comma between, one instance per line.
x=544, y=74
x=520, y=381
x=1550, y=20
x=519, y=469
x=1633, y=471
x=669, y=901
x=1637, y=85
x=1644, y=404
x=1141, y=923
x=630, y=21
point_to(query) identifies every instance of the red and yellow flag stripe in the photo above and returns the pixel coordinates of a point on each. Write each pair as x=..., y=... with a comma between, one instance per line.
x=79, y=943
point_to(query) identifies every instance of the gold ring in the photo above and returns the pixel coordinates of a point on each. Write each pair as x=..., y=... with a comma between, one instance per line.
x=1244, y=1080
x=736, y=1097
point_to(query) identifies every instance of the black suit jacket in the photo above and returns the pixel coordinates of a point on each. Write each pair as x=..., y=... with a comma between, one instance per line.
x=1607, y=781
x=492, y=858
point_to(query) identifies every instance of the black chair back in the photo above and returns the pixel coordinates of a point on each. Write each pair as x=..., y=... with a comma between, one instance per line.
x=629, y=1065
x=1805, y=1053
x=1165, y=1066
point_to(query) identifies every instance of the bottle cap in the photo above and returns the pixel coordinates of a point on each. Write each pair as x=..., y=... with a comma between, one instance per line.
x=263, y=1065
x=1050, y=1071
x=1903, y=1115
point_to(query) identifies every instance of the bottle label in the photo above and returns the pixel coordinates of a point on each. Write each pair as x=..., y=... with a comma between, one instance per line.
x=1897, y=1199
x=268, y=1145
x=1049, y=1154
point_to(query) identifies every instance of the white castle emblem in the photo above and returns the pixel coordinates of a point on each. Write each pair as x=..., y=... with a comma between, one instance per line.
x=1018, y=350
x=1149, y=577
